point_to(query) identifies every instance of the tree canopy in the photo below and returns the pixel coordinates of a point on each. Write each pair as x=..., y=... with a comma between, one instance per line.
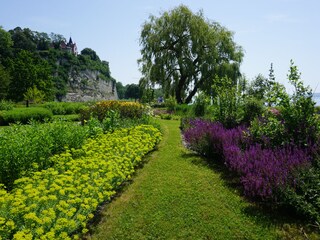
x=183, y=52
x=27, y=71
x=132, y=91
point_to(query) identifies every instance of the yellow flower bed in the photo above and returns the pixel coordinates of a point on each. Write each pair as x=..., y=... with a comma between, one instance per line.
x=125, y=109
x=57, y=203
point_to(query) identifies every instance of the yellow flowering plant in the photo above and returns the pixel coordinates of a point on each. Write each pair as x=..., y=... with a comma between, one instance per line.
x=58, y=202
x=125, y=109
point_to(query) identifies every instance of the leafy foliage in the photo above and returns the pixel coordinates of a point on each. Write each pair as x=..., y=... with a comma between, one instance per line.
x=28, y=70
x=304, y=195
x=64, y=108
x=263, y=172
x=132, y=91
x=30, y=58
x=252, y=108
x=125, y=109
x=184, y=110
x=200, y=105
x=24, y=115
x=5, y=79
x=228, y=102
x=27, y=148
x=120, y=90
x=294, y=119
x=171, y=104
x=274, y=157
x=6, y=105
x=5, y=43
x=259, y=87
x=56, y=202
x=183, y=52
x=34, y=95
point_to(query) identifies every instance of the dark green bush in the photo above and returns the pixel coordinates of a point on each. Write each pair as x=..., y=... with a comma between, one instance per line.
x=183, y=110
x=305, y=197
x=317, y=109
x=24, y=148
x=24, y=115
x=252, y=108
x=64, y=108
x=200, y=105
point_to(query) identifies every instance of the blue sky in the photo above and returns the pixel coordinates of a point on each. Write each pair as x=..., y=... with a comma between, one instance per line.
x=270, y=31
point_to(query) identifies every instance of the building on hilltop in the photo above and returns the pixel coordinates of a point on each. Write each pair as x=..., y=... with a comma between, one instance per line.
x=70, y=46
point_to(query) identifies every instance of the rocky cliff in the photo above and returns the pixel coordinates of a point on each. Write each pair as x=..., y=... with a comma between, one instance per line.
x=89, y=85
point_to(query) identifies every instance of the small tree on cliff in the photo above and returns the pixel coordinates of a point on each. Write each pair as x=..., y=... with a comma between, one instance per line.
x=183, y=53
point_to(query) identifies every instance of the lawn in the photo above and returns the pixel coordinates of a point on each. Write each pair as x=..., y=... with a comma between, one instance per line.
x=177, y=195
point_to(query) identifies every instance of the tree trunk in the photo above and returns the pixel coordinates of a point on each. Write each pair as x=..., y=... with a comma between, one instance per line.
x=179, y=89
x=190, y=96
x=178, y=96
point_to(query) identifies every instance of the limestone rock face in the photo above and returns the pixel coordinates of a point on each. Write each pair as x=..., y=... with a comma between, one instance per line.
x=89, y=85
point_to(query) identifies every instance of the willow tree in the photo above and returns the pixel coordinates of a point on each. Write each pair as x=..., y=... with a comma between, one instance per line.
x=184, y=52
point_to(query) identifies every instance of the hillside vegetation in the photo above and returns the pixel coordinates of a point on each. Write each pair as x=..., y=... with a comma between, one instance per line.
x=36, y=63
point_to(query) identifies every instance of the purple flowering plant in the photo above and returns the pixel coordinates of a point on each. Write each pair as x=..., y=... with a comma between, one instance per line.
x=262, y=171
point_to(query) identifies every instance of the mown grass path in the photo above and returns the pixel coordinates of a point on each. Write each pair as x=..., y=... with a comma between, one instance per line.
x=176, y=195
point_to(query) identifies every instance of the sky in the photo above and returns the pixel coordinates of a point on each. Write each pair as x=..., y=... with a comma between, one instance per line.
x=269, y=31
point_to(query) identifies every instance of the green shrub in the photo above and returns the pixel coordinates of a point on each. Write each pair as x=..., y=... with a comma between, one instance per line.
x=228, y=102
x=166, y=116
x=268, y=131
x=171, y=104
x=6, y=105
x=200, y=105
x=67, y=118
x=24, y=115
x=294, y=119
x=28, y=147
x=305, y=197
x=125, y=109
x=183, y=110
x=64, y=108
x=112, y=121
x=252, y=108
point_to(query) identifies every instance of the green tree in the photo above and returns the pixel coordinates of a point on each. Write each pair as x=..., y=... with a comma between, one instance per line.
x=43, y=41
x=23, y=39
x=91, y=53
x=276, y=94
x=120, y=90
x=4, y=82
x=259, y=87
x=132, y=91
x=34, y=95
x=183, y=52
x=28, y=70
x=56, y=40
x=5, y=44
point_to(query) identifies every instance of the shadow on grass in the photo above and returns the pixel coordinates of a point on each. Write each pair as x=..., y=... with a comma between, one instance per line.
x=215, y=164
x=99, y=215
x=264, y=213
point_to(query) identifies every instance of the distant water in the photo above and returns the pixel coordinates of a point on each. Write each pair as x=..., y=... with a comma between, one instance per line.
x=316, y=98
